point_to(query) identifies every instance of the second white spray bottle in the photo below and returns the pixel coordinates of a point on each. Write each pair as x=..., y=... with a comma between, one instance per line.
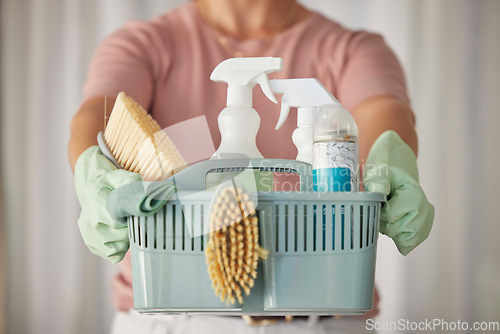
x=307, y=95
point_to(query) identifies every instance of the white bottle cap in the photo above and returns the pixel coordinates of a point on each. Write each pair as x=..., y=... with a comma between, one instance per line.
x=306, y=116
x=335, y=122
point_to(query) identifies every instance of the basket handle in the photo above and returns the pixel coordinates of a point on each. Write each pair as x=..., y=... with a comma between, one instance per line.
x=193, y=178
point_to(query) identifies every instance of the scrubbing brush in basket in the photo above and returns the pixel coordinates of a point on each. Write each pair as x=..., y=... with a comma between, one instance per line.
x=233, y=249
x=137, y=143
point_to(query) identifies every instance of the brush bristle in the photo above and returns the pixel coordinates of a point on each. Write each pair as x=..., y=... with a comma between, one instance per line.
x=233, y=249
x=138, y=144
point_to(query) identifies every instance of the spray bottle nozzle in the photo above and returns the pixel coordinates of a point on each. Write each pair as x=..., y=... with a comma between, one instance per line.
x=242, y=74
x=301, y=93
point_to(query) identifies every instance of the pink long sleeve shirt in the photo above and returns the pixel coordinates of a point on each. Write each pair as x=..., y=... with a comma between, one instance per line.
x=165, y=65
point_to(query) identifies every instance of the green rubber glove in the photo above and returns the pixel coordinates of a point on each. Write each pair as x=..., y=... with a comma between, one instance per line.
x=95, y=178
x=391, y=169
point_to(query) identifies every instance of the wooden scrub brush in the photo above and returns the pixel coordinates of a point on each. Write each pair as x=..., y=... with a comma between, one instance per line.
x=137, y=143
x=233, y=249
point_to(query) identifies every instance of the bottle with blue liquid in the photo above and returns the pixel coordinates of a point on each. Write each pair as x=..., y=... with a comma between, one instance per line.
x=335, y=151
x=335, y=161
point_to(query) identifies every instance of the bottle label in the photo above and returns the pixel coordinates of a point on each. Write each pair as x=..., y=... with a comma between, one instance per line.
x=335, y=166
x=332, y=179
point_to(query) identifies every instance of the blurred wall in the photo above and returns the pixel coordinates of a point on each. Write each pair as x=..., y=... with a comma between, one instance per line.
x=3, y=239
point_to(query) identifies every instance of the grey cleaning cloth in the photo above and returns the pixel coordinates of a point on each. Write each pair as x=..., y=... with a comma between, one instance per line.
x=139, y=199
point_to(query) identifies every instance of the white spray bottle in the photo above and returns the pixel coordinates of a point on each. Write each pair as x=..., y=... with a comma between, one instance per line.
x=307, y=95
x=239, y=122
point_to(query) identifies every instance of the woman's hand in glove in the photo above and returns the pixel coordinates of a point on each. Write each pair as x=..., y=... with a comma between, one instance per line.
x=95, y=178
x=391, y=169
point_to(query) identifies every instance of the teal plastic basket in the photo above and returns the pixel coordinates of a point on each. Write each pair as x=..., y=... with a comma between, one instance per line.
x=322, y=249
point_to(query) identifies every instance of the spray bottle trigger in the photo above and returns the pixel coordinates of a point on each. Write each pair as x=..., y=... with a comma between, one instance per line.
x=265, y=85
x=285, y=110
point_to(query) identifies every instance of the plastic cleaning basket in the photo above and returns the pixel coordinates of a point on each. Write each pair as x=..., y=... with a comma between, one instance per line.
x=322, y=248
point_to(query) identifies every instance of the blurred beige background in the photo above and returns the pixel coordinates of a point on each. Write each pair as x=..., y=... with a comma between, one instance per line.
x=450, y=51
